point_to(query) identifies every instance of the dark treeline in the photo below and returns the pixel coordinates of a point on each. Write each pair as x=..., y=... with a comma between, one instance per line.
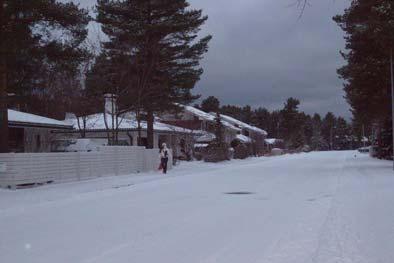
x=295, y=127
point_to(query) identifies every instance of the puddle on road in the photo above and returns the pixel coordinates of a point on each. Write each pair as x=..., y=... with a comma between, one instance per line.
x=239, y=193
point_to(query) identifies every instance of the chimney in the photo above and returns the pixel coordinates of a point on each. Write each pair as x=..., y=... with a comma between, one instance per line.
x=110, y=103
x=70, y=118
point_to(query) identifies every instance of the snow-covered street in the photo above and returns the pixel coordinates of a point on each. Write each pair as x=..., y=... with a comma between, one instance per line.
x=317, y=207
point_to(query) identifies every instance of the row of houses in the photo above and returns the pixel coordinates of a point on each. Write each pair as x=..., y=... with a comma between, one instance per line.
x=182, y=131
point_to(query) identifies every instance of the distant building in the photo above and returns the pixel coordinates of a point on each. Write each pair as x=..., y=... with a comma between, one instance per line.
x=253, y=134
x=234, y=130
x=198, y=120
x=32, y=133
x=98, y=127
x=274, y=143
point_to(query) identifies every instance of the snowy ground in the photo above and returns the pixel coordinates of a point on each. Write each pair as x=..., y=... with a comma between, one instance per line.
x=317, y=207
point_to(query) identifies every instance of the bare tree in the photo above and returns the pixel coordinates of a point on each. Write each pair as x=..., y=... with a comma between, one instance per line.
x=302, y=5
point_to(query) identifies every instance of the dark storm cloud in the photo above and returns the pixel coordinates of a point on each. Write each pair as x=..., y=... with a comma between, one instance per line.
x=262, y=54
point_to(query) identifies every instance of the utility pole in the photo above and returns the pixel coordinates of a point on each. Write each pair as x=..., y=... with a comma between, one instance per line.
x=3, y=86
x=392, y=98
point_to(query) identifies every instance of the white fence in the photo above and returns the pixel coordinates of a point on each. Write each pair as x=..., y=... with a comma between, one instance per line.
x=35, y=168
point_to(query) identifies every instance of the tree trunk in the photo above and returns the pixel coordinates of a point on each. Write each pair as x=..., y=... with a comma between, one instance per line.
x=3, y=87
x=150, y=120
x=3, y=104
x=82, y=128
x=138, y=115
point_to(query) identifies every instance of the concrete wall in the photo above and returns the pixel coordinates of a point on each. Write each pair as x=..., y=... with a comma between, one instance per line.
x=34, y=168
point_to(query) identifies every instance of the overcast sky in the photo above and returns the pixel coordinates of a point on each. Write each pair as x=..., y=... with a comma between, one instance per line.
x=261, y=53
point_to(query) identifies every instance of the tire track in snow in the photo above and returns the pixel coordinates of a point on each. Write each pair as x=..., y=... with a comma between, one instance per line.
x=297, y=238
x=337, y=243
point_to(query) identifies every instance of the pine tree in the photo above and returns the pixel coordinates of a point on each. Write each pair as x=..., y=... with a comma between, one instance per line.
x=369, y=28
x=247, y=114
x=328, y=129
x=297, y=140
x=262, y=118
x=158, y=39
x=317, y=141
x=28, y=48
x=274, y=125
x=233, y=111
x=291, y=124
x=341, y=140
x=308, y=129
x=210, y=104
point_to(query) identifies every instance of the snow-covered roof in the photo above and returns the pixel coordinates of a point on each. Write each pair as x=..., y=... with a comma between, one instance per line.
x=207, y=116
x=242, y=125
x=207, y=137
x=272, y=141
x=128, y=122
x=243, y=138
x=18, y=117
x=199, y=113
x=201, y=145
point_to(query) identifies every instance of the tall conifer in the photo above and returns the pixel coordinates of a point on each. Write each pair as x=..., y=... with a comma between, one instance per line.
x=159, y=39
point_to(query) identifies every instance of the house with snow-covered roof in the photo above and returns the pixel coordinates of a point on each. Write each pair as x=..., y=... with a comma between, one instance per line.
x=248, y=133
x=33, y=133
x=195, y=119
x=234, y=131
x=246, y=128
x=274, y=143
x=100, y=127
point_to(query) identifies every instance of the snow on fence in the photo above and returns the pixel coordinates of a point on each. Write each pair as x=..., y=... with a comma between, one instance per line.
x=36, y=168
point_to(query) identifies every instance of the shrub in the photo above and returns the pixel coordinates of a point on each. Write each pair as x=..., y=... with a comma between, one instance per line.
x=241, y=151
x=217, y=152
